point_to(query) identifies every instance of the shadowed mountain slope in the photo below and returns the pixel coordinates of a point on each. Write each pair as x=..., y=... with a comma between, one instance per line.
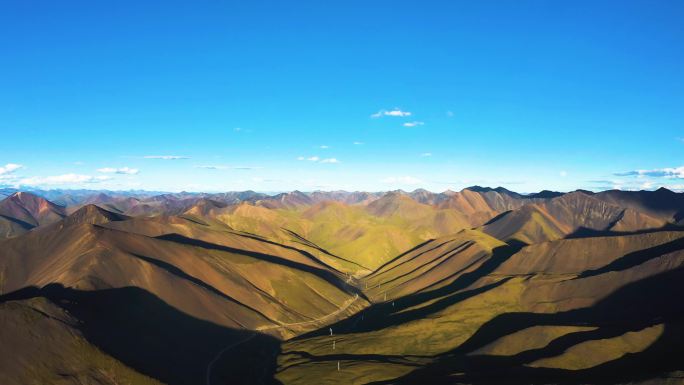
x=562, y=216
x=660, y=203
x=240, y=282
x=565, y=311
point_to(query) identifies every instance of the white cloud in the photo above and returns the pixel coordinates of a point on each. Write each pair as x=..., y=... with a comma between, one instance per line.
x=324, y=147
x=209, y=167
x=413, y=124
x=166, y=157
x=406, y=180
x=10, y=168
x=63, y=179
x=318, y=159
x=563, y=173
x=668, y=173
x=122, y=170
x=222, y=167
x=395, y=112
x=237, y=129
x=426, y=154
x=358, y=143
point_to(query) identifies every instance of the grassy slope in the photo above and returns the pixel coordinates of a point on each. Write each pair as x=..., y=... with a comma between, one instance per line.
x=542, y=299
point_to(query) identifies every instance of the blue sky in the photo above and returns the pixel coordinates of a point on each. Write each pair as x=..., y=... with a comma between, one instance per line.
x=226, y=95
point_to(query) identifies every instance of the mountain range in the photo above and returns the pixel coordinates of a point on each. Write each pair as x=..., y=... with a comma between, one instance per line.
x=483, y=285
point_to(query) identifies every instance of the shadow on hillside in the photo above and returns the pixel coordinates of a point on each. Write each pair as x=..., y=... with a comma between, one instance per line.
x=585, y=232
x=24, y=225
x=644, y=303
x=148, y=335
x=636, y=258
x=321, y=273
x=398, y=311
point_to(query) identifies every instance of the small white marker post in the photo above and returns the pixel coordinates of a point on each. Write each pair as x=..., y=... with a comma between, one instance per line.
x=331, y=331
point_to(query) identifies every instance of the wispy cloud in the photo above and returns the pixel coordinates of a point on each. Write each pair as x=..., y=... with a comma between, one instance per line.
x=317, y=159
x=10, y=168
x=324, y=147
x=563, y=173
x=65, y=179
x=394, y=112
x=405, y=180
x=358, y=143
x=166, y=157
x=266, y=180
x=668, y=172
x=413, y=124
x=223, y=167
x=121, y=170
x=601, y=181
x=450, y=114
x=426, y=154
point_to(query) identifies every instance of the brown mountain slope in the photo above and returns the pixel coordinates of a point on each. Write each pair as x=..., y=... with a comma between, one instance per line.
x=572, y=213
x=661, y=203
x=93, y=215
x=23, y=211
x=240, y=282
x=482, y=204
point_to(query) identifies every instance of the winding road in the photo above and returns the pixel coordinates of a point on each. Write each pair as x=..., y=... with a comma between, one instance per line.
x=218, y=355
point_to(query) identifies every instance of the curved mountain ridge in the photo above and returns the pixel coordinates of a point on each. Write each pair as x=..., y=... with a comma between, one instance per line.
x=225, y=283
x=562, y=216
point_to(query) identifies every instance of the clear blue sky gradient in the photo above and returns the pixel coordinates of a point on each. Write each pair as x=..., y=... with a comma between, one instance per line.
x=529, y=95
